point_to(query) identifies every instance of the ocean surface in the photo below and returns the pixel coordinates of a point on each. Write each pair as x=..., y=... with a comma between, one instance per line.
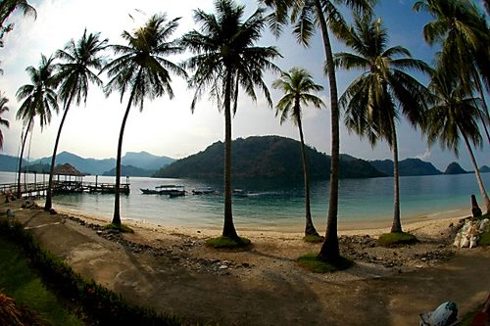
x=276, y=205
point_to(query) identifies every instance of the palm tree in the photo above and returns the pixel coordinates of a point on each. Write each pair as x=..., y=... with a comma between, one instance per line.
x=463, y=33
x=454, y=114
x=39, y=100
x=298, y=86
x=7, y=7
x=306, y=16
x=74, y=76
x=226, y=57
x=374, y=100
x=3, y=122
x=142, y=69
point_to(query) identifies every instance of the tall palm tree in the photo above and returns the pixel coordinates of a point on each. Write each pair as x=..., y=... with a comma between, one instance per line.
x=3, y=122
x=374, y=100
x=454, y=115
x=74, y=76
x=226, y=57
x=298, y=86
x=306, y=16
x=462, y=31
x=40, y=100
x=142, y=69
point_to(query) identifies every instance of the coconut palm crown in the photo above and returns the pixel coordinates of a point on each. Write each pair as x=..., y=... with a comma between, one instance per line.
x=142, y=69
x=225, y=60
x=3, y=122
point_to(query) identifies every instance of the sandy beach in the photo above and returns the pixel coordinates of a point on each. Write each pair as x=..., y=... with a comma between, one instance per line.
x=171, y=270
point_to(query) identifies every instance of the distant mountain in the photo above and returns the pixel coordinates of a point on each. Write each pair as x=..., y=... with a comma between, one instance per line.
x=129, y=170
x=10, y=163
x=146, y=161
x=407, y=167
x=38, y=168
x=264, y=157
x=454, y=168
x=485, y=169
x=142, y=161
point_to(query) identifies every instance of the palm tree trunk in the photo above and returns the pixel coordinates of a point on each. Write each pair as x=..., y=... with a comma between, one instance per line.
x=24, y=140
x=228, y=227
x=49, y=194
x=117, y=203
x=330, y=248
x=479, y=180
x=309, y=228
x=397, y=224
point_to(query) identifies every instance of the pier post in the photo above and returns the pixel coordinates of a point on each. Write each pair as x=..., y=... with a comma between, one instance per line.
x=96, y=179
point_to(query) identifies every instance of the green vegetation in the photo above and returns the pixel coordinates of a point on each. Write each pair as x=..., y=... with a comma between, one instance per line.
x=20, y=282
x=271, y=157
x=313, y=238
x=314, y=264
x=228, y=243
x=484, y=239
x=119, y=227
x=99, y=304
x=394, y=239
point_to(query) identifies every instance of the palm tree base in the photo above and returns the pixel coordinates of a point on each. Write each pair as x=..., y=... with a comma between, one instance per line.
x=313, y=238
x=314, y=263
x=223, y=242
x=119, y=227
x=394, y=239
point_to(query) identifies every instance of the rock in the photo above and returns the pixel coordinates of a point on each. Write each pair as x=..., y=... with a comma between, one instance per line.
x=222, y=267
x=52, y=211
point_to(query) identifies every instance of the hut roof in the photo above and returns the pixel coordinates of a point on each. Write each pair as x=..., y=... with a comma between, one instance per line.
x=67, y=169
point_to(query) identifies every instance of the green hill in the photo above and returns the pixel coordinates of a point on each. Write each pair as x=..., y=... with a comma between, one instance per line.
x=407, y=167
x=264, y=157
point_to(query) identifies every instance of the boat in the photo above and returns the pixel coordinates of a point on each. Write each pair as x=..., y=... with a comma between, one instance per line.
x=240, y=193
x=171, y=190
x=203, y=191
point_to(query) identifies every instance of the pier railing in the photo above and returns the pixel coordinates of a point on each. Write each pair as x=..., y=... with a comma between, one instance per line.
x=65, y=187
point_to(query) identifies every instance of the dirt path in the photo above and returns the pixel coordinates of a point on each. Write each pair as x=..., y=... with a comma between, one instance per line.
x=262, y=286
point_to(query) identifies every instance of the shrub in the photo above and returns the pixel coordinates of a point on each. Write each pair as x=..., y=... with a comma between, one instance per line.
x=313, y=238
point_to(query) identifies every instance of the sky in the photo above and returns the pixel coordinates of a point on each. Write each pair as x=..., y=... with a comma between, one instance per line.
x=167, y=127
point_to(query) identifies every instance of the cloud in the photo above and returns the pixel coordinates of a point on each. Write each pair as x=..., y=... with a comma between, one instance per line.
x=425, y=156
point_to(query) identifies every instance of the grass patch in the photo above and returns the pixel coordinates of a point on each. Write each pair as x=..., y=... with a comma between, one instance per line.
x=313, y=238
x=123, y=228
x=394, y=239
x=20, y=282
x=312, y=263
x=484, y=239
x=228, y=243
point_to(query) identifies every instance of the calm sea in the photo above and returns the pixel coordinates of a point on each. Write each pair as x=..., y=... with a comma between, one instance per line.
x=276, y=205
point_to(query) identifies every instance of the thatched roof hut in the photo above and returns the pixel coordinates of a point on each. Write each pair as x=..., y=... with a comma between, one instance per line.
x=67, y=169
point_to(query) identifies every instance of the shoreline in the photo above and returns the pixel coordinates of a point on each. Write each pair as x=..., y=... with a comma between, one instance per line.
x=428, y=225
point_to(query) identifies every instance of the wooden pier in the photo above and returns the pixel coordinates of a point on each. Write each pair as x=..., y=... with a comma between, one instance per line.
x=64, y=187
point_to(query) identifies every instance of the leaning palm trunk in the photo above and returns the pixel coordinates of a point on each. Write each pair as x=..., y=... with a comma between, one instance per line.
x=117, y=191
x=228, y=227
x=397, y=225
x=49, y=193
x=479, y=180
x=330, y=248
x=309, y=228
x=24, y=140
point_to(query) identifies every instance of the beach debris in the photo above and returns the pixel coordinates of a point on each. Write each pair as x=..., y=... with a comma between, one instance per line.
x=444, y=315
x=475, y=209
x=482, y=318
x=468, y=235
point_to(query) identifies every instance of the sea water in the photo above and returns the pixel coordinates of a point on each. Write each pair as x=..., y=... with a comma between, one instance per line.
x=274, y=204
